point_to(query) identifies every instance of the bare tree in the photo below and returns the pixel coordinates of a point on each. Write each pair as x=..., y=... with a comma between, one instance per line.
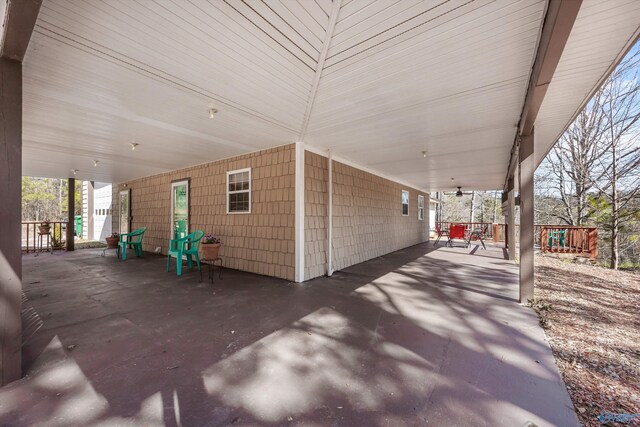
x=571, y=161
x=593, y=172
x=617, y=170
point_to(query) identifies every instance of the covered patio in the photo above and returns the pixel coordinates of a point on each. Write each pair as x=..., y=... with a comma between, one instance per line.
x=307, y=135
x=425, y=334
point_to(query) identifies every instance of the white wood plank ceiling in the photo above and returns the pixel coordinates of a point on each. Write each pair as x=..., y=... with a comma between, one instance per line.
x=601, y=34
x=378, y=82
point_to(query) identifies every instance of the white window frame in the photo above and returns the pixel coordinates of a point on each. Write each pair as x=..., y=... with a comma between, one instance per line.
x=402, y=200
x=420, y=207
x=229, y=173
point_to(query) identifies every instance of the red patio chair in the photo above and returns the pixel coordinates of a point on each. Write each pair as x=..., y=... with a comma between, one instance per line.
x=440, y=234
x=457, y=231
x=478, y=234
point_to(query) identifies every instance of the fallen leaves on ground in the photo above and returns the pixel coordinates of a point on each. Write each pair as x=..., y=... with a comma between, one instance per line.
x=594, y=331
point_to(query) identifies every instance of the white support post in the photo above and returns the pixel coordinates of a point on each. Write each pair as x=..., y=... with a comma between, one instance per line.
x=299, y=215
x=427, y=214
x=330, y=216
x=511, y=221
x=526, y=171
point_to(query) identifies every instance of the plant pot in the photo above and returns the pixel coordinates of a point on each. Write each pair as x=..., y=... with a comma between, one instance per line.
x=112, y=242
x=209, y=250
x=44, y=229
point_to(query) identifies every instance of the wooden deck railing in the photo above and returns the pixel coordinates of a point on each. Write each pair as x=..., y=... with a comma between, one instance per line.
x=549, y=237
x=30, y=239
x=569, y=240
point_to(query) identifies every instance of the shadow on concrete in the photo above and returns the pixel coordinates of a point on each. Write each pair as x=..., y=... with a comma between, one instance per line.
x=420, y=335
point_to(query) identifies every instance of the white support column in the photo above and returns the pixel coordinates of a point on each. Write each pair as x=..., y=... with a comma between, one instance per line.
x=526, y=171
x=330, y=216
x=89, y=224
x=299, y=216
x=511, y=221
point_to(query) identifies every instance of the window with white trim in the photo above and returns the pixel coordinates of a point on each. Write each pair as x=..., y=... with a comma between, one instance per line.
x=405, y=203
x=420, y=207
x=239, y=191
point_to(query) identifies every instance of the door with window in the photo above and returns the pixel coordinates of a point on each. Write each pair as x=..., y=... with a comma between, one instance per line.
x=179, y=209
x=125, y=211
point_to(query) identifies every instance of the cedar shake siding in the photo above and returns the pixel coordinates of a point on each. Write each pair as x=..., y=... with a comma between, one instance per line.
x=316, y=175
x=259, y=242
x=367, y=216
x=367, y=213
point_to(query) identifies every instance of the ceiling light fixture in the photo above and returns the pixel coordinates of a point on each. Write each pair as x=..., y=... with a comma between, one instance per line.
x=75, y=171
x=459, y=192
x=212, y=113
x=95, y=163
x=133, y=145
x=424, y=154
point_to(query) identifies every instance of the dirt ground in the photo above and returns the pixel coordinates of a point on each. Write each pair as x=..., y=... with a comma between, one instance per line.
x=592, y=320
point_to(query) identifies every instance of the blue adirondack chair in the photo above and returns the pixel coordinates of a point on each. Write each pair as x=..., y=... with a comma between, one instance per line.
x=133, y=239
x=188, y=246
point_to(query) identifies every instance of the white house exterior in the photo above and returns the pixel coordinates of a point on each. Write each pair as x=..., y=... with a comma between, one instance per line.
x=96, y=210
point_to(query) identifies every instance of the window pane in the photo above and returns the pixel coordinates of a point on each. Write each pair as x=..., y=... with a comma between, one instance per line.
x=239, y=184
x=239, y=202
x=405, y=209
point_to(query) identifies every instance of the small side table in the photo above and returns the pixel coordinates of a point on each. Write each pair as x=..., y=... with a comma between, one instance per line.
x=48, y=246
x=117, y=249
x=212, y=266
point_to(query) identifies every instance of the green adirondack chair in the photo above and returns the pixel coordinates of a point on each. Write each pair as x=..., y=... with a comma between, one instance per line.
x=556, y=237
x=133, y=239
x=188, y=246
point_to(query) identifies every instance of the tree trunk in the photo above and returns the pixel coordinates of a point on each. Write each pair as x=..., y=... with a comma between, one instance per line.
x=615, y=220
x=60, y=196
x=472, y=214
x=495, y=206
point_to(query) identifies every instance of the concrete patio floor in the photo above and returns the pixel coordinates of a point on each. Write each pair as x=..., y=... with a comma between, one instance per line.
x=422, y=336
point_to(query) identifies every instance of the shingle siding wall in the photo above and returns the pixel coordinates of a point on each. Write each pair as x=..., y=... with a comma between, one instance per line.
x=316, y=175
x=367, y=213
x=367, y=216
x=260, y=242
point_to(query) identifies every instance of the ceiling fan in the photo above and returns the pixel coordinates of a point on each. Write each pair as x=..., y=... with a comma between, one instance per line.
x=460, y=193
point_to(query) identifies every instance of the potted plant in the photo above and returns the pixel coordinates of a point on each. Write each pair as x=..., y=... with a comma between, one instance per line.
x=112, y=241
x=210, y=247
x=44, y=227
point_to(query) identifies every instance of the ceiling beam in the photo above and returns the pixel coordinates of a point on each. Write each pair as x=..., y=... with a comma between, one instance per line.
x=558, y=22
x=18, y=20
x=333, y=18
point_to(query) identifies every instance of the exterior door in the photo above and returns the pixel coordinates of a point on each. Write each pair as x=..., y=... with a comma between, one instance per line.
x=125, y=211
x=179, y=209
